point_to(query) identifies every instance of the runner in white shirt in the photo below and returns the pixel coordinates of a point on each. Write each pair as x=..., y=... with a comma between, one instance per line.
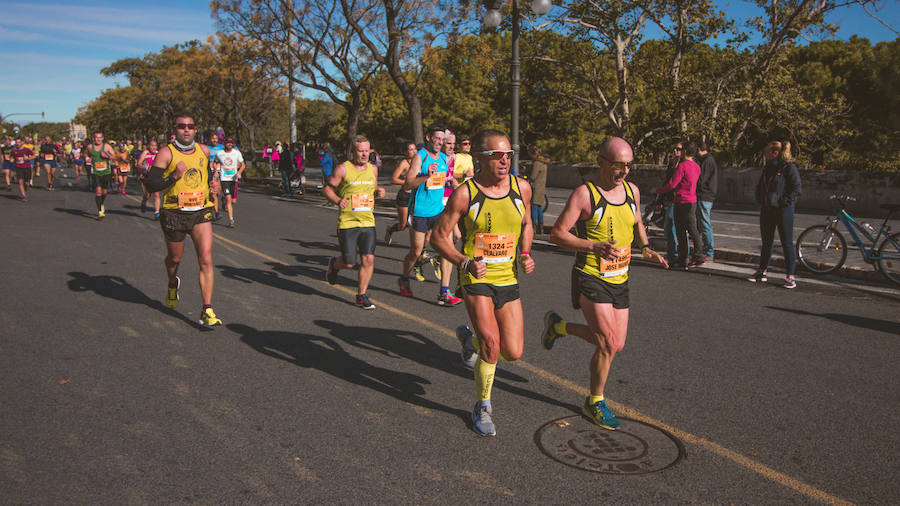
x=232, y=163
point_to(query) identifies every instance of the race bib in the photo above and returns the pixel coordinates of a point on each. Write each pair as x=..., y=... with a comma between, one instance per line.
x=123, y=167
x=48, y=157
x=100, y=165
x=362, y=202
x=495, y=248
x=20, y=160
x=8, y=157
x=610, y=268
x=191, y=201
x=436, y=180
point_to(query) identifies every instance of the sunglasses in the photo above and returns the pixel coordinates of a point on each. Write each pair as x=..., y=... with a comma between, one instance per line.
x=497, y=154
x=184, y=126
x=466, y=143
x=678, y=149
x=618, y=165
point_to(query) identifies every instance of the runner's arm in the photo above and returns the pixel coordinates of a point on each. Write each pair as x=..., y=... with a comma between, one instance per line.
x=577, y=207
x=641, y=232
x=399, y=177
x=155, y=181
x=527, y=227
x=337, y=176
x=412, y=175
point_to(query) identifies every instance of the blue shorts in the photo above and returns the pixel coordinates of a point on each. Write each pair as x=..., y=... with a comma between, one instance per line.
x=423, y=224
x=51, y=163
x=8, y=165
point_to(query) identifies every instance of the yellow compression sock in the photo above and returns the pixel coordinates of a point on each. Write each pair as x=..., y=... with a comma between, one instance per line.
x=484, y=378
x=595, y=399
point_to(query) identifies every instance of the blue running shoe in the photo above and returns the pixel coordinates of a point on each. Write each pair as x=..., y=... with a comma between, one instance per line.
x=550, y=335
x=600, y=414
x=482, y=422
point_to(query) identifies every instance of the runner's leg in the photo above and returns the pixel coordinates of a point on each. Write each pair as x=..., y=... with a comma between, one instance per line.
x=606, y=330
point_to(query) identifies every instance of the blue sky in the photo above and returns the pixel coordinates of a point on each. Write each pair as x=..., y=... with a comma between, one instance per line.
x=52, y=51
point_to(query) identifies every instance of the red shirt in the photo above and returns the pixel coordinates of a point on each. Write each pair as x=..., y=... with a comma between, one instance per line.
x=684, y=182
x=21, y=156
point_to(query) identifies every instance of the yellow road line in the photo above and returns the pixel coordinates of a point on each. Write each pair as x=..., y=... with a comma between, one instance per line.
x=715, y=448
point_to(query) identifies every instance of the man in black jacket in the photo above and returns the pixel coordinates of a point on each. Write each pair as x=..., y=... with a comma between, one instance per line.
x=706, y=194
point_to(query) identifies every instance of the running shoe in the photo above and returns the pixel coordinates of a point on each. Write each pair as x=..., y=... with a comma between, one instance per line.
x=600, y=414
x=388, y=239
x=758, y=277
x=25, y=200
x=49, y=187
x=482, y=420
x=697, y=262
x=790, y=283
x=362, y=300
x=417, y=272
x=447, y=299
x=209, y=319
x=172, y=294
x=404, y=287
x=331, y=273
x=144, y=205
x=156, y=216
x=469, y=354
x=230, y=222
x=102, y=212
x=436, y=265
x=550, y=335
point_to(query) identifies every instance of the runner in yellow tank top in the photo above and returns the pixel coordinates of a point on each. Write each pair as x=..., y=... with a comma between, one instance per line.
x=604, y=214
x=353, y=187
x=498, y=233
x=181, y=173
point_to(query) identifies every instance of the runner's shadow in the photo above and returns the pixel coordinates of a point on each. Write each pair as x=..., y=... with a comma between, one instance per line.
x=312, y=244
x=404, y=344
x=116, y=288
x=272, y=279
x=415, y=347
x=328, y=356
x=849, y=319
x=76, y=212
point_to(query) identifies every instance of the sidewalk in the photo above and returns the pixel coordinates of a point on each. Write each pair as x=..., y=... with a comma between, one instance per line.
x=735, y=228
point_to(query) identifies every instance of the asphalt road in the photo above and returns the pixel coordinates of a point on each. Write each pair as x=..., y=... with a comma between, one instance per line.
x=763, y=395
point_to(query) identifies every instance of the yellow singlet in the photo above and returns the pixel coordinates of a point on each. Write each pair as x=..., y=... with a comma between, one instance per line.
x=608, y=222
x=191, y=192
x=359, y=187
x=462, y=163
x=491, y=228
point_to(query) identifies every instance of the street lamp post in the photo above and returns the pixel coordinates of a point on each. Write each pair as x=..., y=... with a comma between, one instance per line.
x=491, y=20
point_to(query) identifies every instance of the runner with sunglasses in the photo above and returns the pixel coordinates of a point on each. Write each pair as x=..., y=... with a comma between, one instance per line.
x=492, y=211
x=182, y=173
x=604, y=213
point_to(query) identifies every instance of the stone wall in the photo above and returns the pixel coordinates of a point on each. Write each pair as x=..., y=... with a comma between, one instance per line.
x=737, y=185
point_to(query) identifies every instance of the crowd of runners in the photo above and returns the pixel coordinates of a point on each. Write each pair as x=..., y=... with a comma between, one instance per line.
x=469, y=206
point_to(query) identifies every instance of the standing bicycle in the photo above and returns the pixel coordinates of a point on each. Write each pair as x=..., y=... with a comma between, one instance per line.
x=822, y=249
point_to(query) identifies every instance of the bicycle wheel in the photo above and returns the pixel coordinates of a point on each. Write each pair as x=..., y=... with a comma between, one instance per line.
x=889, y=264
x=821, y=250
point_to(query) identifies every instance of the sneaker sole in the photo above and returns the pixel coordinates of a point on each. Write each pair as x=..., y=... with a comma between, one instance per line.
x=594, y=420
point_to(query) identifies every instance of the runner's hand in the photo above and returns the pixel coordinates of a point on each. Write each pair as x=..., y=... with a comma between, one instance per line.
x=649, y=254
x=344, y=203
x=215, y=187
x=180, y=169
x=477, y=267
x=527, y=263
x=380, y=192
x=606, y=250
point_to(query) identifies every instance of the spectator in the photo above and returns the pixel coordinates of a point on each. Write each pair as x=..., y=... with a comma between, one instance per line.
x=684, y=183
x=298, y=165
x=776, y=192
x=538, y=180
x=668, y=200
x=326, y=160
x=706, y=194
x=275, y=157
x=286, y=167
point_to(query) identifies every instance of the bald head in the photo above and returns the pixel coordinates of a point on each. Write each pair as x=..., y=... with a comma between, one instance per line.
x=616, y=149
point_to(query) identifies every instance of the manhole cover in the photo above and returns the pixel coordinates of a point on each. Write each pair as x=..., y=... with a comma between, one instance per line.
x=635, y=448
